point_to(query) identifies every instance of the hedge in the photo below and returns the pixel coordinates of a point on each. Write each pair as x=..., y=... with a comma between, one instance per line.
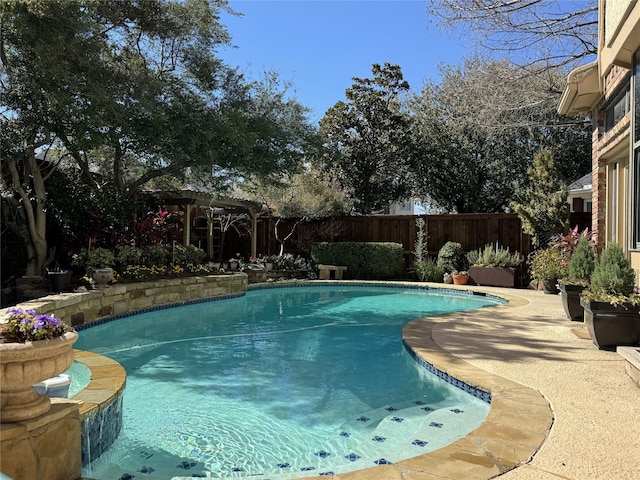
x=364, y=260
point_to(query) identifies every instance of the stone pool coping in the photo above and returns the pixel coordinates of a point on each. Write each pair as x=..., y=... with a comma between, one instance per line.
x=108, y=379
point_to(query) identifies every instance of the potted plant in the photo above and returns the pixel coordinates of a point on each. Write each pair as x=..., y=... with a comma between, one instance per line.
x=494, y=266
x=99, y=263
x=60, y=280
x=33, y=348
x=452, y=258
x=547, y=266
x=611, y=303
x=579, y=271
x=460, y=277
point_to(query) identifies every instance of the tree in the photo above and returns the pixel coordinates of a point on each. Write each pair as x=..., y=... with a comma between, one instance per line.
x=308, y=194
x=133, y=92
x=543, y=207
x=368, y=140
x=543, y=33
x=478, y=130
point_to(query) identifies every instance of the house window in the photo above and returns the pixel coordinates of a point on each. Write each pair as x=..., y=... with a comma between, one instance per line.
x=634, y=183
x=635, y=204
x=617, y=109
x=636, y=100
x=613, y=203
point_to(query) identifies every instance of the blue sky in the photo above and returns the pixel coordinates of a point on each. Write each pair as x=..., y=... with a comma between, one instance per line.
x=320, y=45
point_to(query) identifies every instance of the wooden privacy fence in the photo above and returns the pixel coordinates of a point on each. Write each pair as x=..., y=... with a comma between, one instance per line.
x=473, y=231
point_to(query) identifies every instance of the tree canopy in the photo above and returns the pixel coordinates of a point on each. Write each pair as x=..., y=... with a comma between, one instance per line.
x=131, y=92
x=368, y=140
x=478, y=129
x=537, y=33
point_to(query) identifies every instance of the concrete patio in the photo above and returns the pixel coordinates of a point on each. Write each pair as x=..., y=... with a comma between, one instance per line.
x=594, y=400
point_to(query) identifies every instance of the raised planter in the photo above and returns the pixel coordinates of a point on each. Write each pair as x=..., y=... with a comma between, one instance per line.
x=612, y=325
x=495, y=276
x=570, y=295
x=24, y=364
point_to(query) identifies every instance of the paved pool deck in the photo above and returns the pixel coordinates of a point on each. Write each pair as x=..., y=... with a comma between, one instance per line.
x=561, y=408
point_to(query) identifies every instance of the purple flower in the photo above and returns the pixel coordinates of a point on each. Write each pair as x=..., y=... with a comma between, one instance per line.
x=22, y=326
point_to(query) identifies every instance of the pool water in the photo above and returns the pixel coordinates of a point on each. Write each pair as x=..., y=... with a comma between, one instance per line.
x=80, y=377
x=279, y=383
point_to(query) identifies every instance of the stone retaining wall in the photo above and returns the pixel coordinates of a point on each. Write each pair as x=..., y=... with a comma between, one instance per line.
x=80, y=308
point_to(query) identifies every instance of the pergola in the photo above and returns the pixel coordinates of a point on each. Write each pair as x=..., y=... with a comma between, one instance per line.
x=189, y=198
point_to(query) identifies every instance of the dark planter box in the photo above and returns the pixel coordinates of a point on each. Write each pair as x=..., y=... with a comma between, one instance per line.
x=60, y=281
x=611, y=326
x=550, y=286
x=495, y=276
x=571, y=301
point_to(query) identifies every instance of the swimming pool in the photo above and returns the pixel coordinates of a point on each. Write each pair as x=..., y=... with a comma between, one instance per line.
x=281, y=383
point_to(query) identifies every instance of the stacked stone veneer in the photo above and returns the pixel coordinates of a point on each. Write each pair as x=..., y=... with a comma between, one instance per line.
x=119, y=299
x=44, y=448
x=55, y=445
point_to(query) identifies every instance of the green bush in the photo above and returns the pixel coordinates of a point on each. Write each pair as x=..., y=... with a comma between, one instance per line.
x=495, y=256
x=188, y=255
x=428, y=270
x=547, y=263
x=156, y=254
x=613, y=274
x=452, y=256
x=127, y=255
x=364, y=260
x=581, y=263
x=100, y=258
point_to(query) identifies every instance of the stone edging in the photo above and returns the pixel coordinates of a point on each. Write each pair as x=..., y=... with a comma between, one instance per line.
x=77, y=309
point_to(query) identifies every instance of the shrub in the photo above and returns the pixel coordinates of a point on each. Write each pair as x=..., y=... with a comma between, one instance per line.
x=582, y=263
x=100, y=258
x=155, y=255
x=494, y=256
x=428, y=270
x=613, y=274
x=547, y=263
x=128, y=255
x=451, y=256
x=364, y=260
x=188, y=255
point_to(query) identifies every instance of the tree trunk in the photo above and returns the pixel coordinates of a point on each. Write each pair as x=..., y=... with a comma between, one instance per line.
x=31, y=196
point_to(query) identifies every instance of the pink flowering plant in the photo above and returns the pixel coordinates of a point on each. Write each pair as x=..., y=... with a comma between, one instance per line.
x=20, y=326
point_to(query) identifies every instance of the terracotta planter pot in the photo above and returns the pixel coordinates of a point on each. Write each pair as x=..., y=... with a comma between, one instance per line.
x=611, y=326
x=24, y=364
x=460, y=279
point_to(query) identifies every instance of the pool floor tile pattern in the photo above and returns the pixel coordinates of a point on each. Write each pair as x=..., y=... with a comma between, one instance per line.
x=361, y=437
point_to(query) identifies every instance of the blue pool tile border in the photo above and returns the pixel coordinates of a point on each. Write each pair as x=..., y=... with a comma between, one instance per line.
x=155, y=308
x=399, y=286
x=476, y=392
